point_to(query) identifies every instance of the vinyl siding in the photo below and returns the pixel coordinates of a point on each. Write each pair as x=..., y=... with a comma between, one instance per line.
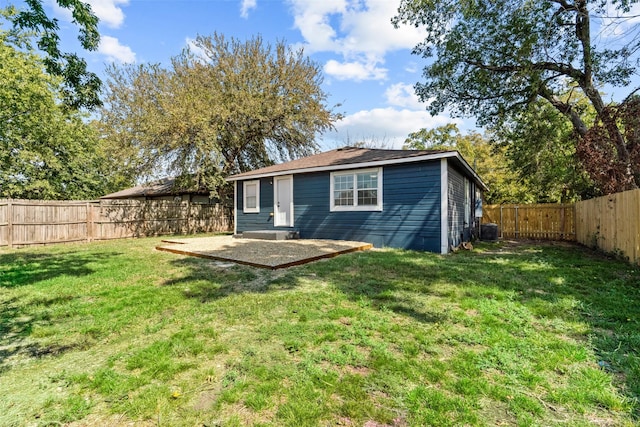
x=410, y=217
x=256, y=221
x=458, y=227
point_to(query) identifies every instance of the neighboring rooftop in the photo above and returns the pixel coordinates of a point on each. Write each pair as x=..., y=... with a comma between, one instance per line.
x=162, y=187
x=348, y=157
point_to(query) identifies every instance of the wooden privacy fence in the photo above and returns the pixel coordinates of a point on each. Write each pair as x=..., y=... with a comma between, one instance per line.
x=535, y=221
x=33, y=222
x=611, y=223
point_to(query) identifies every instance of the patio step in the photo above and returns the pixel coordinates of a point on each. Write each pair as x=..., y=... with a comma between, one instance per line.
x=271, y=235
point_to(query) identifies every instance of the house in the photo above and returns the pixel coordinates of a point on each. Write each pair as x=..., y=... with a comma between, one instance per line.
x=412, y=199
x=163, y=189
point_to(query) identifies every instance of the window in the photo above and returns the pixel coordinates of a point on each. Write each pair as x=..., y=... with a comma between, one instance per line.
x=251, y=197
x=357, y=190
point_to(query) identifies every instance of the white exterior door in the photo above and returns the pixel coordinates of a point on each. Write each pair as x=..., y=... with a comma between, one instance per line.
x=283, y=201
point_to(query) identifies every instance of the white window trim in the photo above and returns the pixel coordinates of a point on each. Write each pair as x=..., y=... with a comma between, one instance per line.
x=355, y=207
x=245, y=209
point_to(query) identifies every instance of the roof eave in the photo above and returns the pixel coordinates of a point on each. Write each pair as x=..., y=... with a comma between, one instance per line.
x=472, y=172
x=345, y=166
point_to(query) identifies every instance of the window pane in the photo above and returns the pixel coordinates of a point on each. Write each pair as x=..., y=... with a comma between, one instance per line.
x=358, y=189
x=251, y=197
x=367, y=180
x=367, y=197
x=343, y=190
x=343, y=198
x=343, y=182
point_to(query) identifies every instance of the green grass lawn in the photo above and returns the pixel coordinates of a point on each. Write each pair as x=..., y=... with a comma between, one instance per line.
x=117, y=333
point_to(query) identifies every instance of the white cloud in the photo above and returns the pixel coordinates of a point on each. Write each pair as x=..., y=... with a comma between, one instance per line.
x=108, y=11
x=114, y=51
x=197, y=51
x=386, y=126
x=246, y=6
x=312, y=18
x=618, y=28
x=352, y=26
x=613, y=13
x=403, y=95
x=360, y=31
x=412, y=67
x=357, y=71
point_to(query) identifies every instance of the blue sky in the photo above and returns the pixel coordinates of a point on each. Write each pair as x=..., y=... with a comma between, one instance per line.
x=367, y=64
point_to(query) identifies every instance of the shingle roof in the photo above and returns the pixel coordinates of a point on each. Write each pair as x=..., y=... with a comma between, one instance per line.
x=344, y=158
x=162, y=187
x=337, y=157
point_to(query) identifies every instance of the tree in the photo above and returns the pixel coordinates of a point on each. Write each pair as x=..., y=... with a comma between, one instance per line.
x=223, y=107
x=47, y=151
x=80, y=88
x=488, y=160
x=598, y=151
x=540, y=150
x=443, y=137
x=492, y=59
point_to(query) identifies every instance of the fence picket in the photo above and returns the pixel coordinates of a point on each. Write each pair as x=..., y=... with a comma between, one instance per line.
x=35, y=222
x=536, y=221
x=611, y=223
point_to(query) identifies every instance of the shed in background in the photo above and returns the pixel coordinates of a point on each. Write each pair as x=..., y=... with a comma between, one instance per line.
x=163, y=189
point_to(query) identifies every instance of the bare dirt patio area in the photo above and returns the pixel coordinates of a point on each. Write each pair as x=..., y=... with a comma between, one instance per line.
x=271, y=254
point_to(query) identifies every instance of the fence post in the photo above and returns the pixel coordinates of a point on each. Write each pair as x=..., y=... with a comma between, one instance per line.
x=10, y=223
x=501, y=227
x=89, y=222
x=190, y=221
x=145, y=227
x=562, y=223
x=516, y=219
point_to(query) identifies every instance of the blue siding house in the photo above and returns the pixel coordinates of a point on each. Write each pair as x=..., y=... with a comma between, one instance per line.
x=411, y=199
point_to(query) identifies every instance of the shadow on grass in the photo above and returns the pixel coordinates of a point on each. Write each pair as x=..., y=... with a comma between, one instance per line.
x=209, y=280
x=19, y=314
x=606, y=292
x=26, y=268
x=16, y=326
x=549, y=281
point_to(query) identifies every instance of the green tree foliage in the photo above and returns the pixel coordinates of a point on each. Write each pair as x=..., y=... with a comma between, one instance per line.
x=442, y=137
x=540, y=149
x=80, y=88
x=222, y=107
x=46, y=149
x=492, y=59
x=489, y=161
x=597, y=149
